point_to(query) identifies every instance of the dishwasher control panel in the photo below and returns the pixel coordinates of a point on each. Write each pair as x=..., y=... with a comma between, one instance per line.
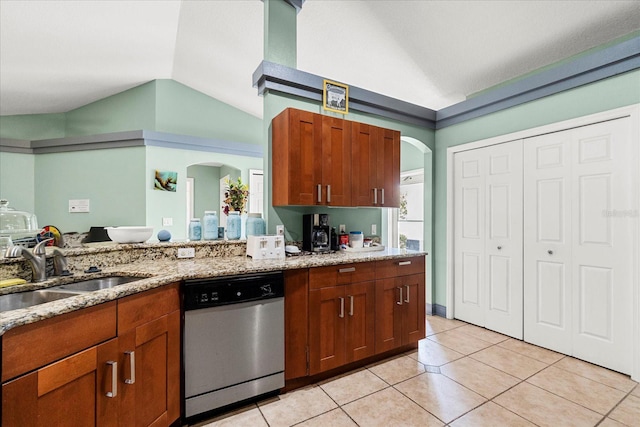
x=202, y=293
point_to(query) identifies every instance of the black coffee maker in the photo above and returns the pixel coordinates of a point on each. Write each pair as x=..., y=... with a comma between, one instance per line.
x=316, y=233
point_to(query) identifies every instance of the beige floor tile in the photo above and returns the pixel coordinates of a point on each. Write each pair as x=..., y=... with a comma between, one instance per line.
x=608, y=422
x=440, y=395
x=483, y=334
x=636, y=391
x=578, y=389
x=389, y=408
x=437, y=324
x=296, y=406
x=628, y=411
x=335, y=418
x=544, y=408
x=597, y=373
x=481, y=378
x=431, y=353
x=353, y=386
x=491, y=415
x=508, y=361
x=530, y=350
x=249, y=417
x=399, y=369
x=459, y=341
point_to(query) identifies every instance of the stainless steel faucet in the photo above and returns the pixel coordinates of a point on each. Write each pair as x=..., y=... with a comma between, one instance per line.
x=37, y=258
x=60, y=263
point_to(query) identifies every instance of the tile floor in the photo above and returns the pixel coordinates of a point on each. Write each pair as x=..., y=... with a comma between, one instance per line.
x=461, y=375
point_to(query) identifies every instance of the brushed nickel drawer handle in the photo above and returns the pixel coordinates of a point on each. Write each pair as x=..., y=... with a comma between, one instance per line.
x=114, y=379
x=400, y=301
x=404, y=263
x=347, y=270
x=132, y=367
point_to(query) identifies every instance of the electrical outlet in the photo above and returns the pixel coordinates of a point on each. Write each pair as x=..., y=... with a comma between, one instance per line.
x=280, y=230
x=343, y=229
x=167, y=222
x=374, y=229
x=186, y=252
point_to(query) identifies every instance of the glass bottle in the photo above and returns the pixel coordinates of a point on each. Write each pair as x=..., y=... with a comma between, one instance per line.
x=195, y=229
x=210, y=225
x=255, y=225
x=234, y=225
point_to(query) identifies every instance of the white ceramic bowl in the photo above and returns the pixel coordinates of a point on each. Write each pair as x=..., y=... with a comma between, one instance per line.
x=129, y=234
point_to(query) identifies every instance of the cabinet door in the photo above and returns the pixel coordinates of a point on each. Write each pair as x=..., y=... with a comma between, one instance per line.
x=335, y=162
x=296, y=323
x=151, y=372
x=71, y=392
x=388, y=315
x=413, y=308
x=364, y=146
x=326, y=329
x=296, y=157
x=360, y=315
x=387, y=170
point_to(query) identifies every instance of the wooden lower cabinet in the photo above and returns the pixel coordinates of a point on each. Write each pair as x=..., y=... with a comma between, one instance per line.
x=400, y=311
x=131, y=379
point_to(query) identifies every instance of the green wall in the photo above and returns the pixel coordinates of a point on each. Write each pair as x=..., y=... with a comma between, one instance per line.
x=32, y=126
x=206, y=188
x=17, y=174
x=600, y=96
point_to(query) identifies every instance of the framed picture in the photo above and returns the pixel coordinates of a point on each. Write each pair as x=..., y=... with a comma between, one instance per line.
x=335, y=97
x=165, y=181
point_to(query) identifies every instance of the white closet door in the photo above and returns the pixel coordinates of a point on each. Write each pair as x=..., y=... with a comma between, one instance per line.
x=578, y=243
x=503, y=244
x=602, y=244
x=469, y=240
x=547, y=241
x=488, y=237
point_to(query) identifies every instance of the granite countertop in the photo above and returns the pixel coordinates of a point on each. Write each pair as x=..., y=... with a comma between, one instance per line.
x=154, y=273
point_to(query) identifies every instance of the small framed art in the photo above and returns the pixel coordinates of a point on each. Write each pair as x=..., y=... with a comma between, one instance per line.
x=335, y=97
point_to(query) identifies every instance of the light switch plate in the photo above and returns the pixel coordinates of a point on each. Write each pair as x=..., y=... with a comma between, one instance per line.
x=374, y=229
x=78, y=205
x=280, y=230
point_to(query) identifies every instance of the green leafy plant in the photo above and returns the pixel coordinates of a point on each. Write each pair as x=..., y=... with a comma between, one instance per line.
x=235, y=196
x=403, y=241
x=402, y=213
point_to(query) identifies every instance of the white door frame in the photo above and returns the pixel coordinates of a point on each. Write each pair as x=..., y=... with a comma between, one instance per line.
x=633, y=112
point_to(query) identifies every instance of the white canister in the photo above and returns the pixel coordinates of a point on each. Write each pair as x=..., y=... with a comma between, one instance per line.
x=356, y=239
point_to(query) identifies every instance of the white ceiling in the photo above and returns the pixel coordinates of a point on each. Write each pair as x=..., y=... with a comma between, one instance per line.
x=59, y=55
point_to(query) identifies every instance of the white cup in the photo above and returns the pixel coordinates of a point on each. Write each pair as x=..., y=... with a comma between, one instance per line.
x=5, y=242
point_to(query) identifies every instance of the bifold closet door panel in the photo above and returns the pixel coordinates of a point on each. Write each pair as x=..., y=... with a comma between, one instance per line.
x=547, y=241
x=602, y=243
x=488, y=237
x=579, y=242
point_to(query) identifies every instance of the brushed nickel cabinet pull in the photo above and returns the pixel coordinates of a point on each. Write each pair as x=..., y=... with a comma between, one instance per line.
x=351, y=308
x=347, y=270
x=407, y=298
x=132, y=367
x=382, y=189
x=114, y=379
x=375, y=196
x=341, y=307
x=400, y=301
x=328, y=193
x=319, y=193
x=404, y=263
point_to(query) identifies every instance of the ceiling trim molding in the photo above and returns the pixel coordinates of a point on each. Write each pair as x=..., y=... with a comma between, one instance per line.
x=270, y=76
x=605, y=63
x=137, y=138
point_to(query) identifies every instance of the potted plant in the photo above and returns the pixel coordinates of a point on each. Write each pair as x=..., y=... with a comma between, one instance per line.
x=234, y=205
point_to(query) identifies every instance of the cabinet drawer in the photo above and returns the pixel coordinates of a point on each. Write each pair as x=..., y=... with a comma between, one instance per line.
x=399, y=267
x=144, y=307
x=323, y=277
x=37, y=344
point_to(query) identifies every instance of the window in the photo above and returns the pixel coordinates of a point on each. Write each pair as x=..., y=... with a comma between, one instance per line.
x=407, y=222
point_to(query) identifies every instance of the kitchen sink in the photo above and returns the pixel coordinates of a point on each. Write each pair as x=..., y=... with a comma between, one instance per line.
x=91, y=285
x=27, y=299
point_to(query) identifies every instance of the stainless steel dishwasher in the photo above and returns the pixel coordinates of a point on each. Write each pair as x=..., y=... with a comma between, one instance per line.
x=233, y=340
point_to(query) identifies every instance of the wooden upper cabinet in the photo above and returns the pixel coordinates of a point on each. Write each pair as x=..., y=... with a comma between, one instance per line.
x=328, y=161
x=375, y=166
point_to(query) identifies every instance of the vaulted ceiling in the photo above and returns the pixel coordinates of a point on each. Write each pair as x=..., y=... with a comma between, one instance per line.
x=58, y=55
